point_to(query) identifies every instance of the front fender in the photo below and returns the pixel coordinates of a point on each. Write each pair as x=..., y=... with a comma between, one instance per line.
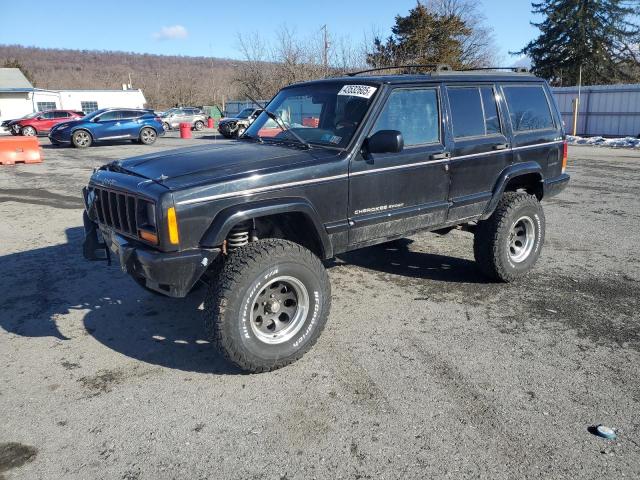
x=508, y=174
x=226, y=219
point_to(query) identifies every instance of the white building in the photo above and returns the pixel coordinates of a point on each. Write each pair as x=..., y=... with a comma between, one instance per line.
x=18, y=97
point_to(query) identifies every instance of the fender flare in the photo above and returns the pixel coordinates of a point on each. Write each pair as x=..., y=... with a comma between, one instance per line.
x=508, y=174
x=224, y=221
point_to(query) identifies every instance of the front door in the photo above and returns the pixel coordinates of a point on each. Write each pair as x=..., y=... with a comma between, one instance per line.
x=393, y=194
x=480, y=150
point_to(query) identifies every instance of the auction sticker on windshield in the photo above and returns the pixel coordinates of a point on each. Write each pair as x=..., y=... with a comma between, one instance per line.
x=364, y=91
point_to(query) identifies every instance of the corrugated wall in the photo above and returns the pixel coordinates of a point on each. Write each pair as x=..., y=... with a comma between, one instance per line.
x=607, y=110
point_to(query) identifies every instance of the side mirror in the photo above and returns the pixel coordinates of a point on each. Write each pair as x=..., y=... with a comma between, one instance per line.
x=96, y=119
x=385, y=141
x=39, y=118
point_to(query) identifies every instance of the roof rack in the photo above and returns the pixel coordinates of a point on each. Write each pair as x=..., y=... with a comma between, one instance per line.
x=511, y=69
x=437, y=67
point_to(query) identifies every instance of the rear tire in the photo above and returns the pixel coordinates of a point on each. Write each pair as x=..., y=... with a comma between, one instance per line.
x=508, y=244
x=148, y=136
x=268, y=305
x=199, y=125
x=81, y=139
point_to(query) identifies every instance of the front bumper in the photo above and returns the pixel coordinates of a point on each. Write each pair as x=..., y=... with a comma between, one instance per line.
x=171, y=273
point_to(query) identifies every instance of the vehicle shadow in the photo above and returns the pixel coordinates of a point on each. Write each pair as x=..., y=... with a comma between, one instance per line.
x=53, y=291
x=397, y=258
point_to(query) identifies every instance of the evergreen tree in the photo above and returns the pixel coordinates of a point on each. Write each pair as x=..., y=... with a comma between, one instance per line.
x=422, y=37
x=598, y=36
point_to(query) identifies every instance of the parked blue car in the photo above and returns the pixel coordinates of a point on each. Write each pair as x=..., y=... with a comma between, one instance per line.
x=109, y=124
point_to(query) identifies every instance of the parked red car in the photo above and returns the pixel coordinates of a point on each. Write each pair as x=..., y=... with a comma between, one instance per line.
x=42, y=122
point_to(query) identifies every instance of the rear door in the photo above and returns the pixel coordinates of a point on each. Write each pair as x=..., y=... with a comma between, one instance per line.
x=59, y=117
x=537, y=133
x=130, y=123
x=395, y=193
x=480, y=147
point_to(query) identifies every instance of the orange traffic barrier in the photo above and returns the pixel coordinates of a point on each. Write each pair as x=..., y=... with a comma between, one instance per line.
x=19, y=149
x=185, y=130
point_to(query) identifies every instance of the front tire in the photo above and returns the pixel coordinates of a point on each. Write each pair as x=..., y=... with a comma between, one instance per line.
x=28, y=131
x=240, y=131
x=166, y=126
x=269, y=304
x=81, y=139
x=508, y=244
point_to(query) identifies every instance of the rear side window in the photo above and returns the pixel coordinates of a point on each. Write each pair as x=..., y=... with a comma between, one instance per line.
x=474, y=111
x=528, y=108
x=414, y=113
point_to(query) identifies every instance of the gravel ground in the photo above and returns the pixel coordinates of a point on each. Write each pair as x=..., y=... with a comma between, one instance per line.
x=425, y=370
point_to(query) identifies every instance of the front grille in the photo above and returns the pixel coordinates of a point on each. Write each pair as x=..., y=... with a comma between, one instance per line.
x=117, y=210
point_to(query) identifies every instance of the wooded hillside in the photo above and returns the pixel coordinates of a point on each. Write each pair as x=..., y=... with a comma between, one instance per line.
x=165, y=80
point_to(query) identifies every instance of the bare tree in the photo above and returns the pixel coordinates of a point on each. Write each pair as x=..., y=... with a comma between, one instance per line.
x=478, y=48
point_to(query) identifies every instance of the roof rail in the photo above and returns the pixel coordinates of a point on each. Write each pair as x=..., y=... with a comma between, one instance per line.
x=438, y=67
x=511, y=69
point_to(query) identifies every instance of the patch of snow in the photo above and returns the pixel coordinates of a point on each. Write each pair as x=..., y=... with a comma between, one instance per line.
x=625, y=142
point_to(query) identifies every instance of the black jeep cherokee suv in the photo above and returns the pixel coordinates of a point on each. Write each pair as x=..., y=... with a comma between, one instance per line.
x=330, y=166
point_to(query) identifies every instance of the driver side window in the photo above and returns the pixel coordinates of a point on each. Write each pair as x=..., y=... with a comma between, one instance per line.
x=413, y=112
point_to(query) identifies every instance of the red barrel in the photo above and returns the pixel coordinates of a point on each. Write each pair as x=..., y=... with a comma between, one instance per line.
x=185, y=130
x=210, y=122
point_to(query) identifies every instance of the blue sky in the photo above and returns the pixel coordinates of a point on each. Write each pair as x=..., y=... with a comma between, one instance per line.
x=209, y=28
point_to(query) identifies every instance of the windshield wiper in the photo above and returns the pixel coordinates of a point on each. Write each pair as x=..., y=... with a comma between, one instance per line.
x=280, y=123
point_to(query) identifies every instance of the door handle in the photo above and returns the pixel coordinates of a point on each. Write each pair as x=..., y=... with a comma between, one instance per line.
x=439, y=156
x=502, y=146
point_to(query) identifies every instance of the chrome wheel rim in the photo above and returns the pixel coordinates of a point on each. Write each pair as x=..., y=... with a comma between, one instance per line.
x=82, y=139
x=29, y=132
x=148, y=136
x=522, y=238
x=166, y=126
x=199, y=126
x=241, y=131
x=279, y=310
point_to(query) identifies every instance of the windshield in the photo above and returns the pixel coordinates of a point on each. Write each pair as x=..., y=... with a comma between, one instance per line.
x=31, y=115
x=245, y=113
x=93, y=114
x=323, y=114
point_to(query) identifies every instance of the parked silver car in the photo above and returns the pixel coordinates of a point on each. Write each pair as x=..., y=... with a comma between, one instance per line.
x=173, y=117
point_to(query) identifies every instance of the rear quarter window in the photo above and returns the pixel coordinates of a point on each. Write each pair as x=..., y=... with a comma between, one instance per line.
x=528, y=108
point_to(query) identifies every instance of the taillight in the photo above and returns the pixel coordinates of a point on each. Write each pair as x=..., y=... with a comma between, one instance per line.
x=565, y=155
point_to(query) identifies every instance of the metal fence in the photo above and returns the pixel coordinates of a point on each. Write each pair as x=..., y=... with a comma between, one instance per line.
x=606, y=110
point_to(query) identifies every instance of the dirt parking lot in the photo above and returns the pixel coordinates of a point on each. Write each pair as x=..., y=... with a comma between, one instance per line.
x=425, y=370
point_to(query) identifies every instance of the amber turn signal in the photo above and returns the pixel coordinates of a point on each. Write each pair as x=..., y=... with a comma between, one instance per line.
x=172, y=221
x=148, y=236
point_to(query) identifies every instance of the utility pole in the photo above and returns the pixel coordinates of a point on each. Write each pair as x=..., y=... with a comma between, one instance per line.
x=325, y=51
x=576, y=104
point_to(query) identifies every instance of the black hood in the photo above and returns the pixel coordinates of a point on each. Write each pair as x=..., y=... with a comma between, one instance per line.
x=205, y=164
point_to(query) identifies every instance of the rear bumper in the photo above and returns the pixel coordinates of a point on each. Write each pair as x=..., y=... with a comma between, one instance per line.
x=171, y=273
x=553, y=186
